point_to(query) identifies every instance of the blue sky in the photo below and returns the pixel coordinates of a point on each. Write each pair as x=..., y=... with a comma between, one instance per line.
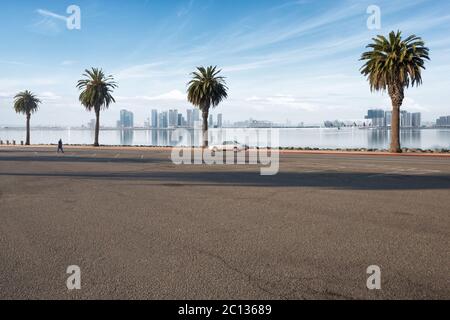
x=283, y=59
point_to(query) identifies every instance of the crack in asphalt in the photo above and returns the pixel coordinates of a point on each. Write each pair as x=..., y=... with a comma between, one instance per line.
x=256, y=281
x=251, y=279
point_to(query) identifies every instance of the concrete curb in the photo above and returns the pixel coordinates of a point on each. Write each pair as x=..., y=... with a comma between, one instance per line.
x=286, y=152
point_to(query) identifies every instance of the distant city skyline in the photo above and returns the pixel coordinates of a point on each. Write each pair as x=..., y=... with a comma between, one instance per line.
x=164, y=119
x=283, y=59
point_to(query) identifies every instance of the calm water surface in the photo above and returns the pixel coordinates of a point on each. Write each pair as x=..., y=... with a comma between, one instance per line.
x=314, y=138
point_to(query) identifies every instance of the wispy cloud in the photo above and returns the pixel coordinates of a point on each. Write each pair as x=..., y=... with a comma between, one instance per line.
x=50, y=14
x=15, y=63
x=48, y=95
x=50, y=23
x=140, y=71
x=68, y=62
x=174, y=95
x=184, y=10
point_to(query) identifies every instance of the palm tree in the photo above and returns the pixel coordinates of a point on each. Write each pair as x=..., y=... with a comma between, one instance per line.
x=395, y=64
x=206, y=89
x=96, y=94
x=26, y=103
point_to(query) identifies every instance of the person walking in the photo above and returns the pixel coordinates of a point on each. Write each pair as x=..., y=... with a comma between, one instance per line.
x=60, y=146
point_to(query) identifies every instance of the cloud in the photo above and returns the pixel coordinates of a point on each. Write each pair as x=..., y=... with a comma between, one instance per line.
x=15, y=63
x=68, y=62
x=6, y=95
x=49, y=24
x=409, y=104
x=289, y=101
x=140, y=71
x=185, y=9
x=49, y=96
x=50, y=14
x=174, y=95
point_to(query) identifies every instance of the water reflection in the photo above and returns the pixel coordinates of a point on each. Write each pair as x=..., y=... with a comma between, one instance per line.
x=410, y=138
x=380, y=139
x=443, y=135
x=126, y=137
x=314, y=138
x=377, y=139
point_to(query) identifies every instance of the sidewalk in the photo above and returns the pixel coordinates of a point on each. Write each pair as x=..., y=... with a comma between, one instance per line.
x=285, y=152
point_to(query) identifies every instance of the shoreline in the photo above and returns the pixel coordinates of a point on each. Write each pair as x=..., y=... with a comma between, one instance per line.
x=287, y=151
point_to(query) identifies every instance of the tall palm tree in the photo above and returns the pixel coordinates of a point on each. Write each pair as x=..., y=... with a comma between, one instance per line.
x=395, y=64
x=96, y=94
x=206, y=90
x=26, y=103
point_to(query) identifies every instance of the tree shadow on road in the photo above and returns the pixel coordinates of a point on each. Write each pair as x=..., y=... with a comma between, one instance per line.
x=332, y=180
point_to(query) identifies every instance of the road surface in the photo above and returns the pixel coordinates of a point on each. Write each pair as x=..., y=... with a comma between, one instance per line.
x=140, y=227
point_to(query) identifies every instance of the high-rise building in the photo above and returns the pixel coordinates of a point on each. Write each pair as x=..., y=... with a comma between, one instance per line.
x=376, y=117
x=163, y=121
x=219, y=120
x=190, y=118
x=126, y=119
x=443, y=121
x=410, y=120
x=381, y=119
x=173, y=118
x=416, y=120
x=154, y=121
x=180, y=120
x=375, y=113
x=388, y=118
x=211, y=121
x=195, y=116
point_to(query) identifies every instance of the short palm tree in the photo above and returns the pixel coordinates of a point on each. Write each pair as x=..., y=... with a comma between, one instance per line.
x=394, y=64
x=206, y=90
x=96, y=94
x=26, y=103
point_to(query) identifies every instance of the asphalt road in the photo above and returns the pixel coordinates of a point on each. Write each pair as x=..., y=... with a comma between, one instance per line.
x=140, y=227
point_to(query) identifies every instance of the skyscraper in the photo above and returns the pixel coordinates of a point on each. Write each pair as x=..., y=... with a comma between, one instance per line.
x=388, y=118
x=375, y=113
x=154, y=121
x=173, y=118
x=126, y=119
x=190, y=118
x=219, y=120
x=180, y=120
x=405, y=119
x=377, y=117
x=416, y=120
x=211, y=121
x=163, y=120
x=443, y=121
x=196, y=115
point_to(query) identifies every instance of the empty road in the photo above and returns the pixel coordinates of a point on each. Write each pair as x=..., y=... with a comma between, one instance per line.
x=140, y=227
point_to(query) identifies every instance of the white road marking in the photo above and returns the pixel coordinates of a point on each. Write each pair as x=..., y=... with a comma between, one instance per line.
x=117, y=156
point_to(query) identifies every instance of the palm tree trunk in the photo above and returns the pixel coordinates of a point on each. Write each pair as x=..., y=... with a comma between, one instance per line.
x=97, y=128
x=205, y=139
x=395, y=130
x=396, y=93
x=28, y=142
